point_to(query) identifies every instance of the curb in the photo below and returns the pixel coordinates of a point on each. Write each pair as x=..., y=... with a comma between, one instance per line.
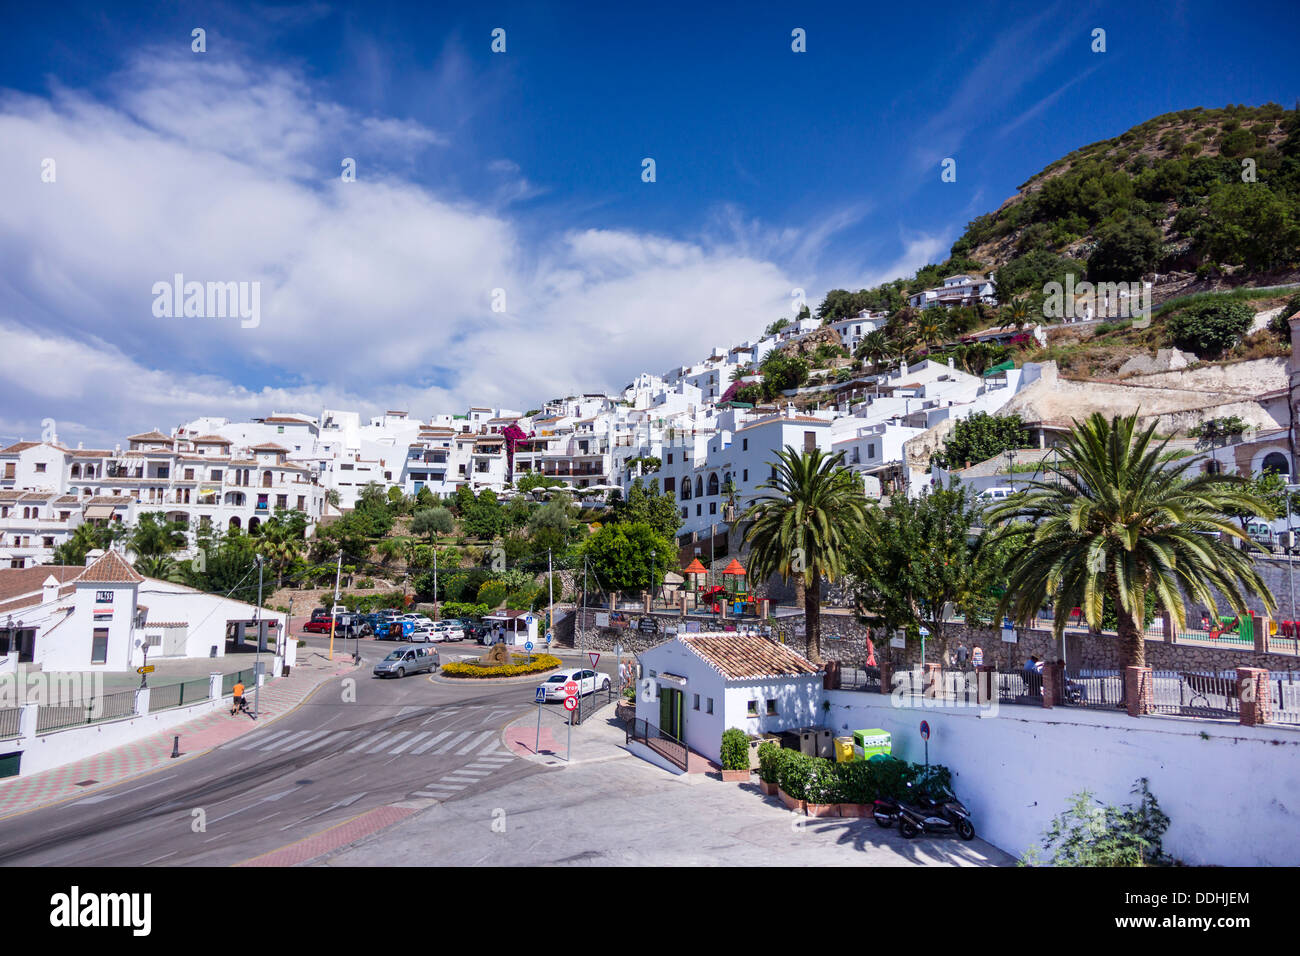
x=183, y=758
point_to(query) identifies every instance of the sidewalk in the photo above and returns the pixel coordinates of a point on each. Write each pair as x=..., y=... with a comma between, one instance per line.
x=600, y=738
x=211, y=729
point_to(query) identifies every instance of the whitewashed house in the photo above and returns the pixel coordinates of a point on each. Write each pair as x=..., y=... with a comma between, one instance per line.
x=700, y=685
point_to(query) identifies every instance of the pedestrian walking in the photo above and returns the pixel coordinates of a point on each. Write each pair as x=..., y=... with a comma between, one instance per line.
x=237, y=703
x=962, y=654
x=977, y=656
x=622, y=674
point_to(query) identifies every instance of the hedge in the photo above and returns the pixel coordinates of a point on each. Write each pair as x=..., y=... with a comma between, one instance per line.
x=819, y=780
x=735, y=749
x=543, y=662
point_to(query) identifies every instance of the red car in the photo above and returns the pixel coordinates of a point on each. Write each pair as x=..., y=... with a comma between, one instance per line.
x=319, y=626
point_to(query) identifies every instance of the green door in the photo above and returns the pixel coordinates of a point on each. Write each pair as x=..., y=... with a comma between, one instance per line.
x=671, y=703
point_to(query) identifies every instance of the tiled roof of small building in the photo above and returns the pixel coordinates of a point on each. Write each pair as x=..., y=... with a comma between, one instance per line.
x=740, y=656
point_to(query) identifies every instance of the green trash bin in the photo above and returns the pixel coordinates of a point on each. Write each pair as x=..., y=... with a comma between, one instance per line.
x=870, y=743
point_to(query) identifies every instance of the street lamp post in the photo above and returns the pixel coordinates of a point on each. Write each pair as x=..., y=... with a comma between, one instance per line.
x=1011, y=477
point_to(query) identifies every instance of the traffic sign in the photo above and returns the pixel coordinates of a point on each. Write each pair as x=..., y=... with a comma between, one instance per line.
x=571, y=688
x=147, y=669
x=548, y=637
x=528, y=645
x=925, y=730
x=570, y=703
x=541, y=695
x=594, y=657
x=925, y=632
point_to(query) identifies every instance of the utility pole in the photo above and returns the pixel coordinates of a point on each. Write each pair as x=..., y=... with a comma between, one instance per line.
x=437, y=608
x=338, y=570
x=550, y=593
x=257, y=658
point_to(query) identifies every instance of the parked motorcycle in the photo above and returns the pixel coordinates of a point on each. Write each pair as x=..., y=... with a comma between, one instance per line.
x=925, y=815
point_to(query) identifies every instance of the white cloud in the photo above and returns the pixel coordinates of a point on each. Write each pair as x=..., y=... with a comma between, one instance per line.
x=374, y=294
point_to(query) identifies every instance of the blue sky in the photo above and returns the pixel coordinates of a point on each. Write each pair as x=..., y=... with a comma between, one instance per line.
x=521, y=171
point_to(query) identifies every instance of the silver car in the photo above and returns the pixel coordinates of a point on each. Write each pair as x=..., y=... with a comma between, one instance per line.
x=407, y=660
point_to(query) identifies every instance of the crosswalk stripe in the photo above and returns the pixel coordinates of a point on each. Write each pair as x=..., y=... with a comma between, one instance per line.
x=467, y=773
x=391, y=740
x=258, y=742
x=425, y=746
x=326, y=741
x=298, y=743
x=280, y=743
x=367, y=742
x=475, y=742
x=453, y=742
x=437, y=796
x=418, y=737
x=448, y=786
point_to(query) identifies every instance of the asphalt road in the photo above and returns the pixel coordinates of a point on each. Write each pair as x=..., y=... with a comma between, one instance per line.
x=356, y=744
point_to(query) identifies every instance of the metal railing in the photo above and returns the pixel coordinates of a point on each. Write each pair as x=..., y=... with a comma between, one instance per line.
x=1189, y=694
x=666, y=745
x=93, y=710
x=1093, y=687
x=1284, y=691
x=9, y=721
x=228, y=681
x=166, y=696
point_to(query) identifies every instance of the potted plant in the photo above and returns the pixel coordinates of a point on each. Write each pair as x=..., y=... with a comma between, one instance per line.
x=792, y=779
x=735, y=755
x=768, y=755
x=857, y=789
x=822, y=791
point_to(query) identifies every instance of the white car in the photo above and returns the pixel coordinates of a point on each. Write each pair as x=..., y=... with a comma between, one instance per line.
x=446, y=631
x=588, y=682
x=422, y=634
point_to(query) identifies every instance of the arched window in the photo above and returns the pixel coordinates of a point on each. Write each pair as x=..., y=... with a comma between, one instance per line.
x=1276, y=462
x=76, y=471
x=254, y=523
x=686, y=489
x=713, y=484
x=699, y=486
x=234, y=522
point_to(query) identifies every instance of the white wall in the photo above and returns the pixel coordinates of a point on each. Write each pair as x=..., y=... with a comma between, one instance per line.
x=1229, y=790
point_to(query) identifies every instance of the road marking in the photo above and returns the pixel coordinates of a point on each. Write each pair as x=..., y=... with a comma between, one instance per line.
x=157, y=858
x=298, y=743
x=453, y=742
x=109, y=796
x=418, y=737
x=391, y=740
x=495, y=712
x=265, y=739
x=475, y=742
x=331, y=738
x=423, y=747
x=279, y=743
x=368, y=741
x=333, y=806
x=449, y=786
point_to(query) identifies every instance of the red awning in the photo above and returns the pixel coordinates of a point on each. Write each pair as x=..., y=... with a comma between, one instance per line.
x=734, y=568
x=695, y=568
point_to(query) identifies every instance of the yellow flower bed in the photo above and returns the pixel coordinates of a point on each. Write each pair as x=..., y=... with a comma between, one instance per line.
x=543, y=662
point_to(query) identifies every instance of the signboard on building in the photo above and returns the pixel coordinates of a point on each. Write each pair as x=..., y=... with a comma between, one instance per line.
x=602, y=619
x=103, y=597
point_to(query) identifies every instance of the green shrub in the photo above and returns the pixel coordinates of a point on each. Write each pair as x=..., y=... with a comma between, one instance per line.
x=735, y=749
x=1210, y=328
x=823, y=784
x=769, y=754
x=857, y=782
x=1091, y=834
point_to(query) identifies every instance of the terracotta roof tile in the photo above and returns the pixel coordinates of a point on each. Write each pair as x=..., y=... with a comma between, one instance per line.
x=744, y=657
x=112, y=568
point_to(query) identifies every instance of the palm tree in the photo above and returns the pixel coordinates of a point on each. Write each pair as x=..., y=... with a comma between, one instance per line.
x=802, y=526
x=874, y=348
x=161, y=567
x=1119, y=520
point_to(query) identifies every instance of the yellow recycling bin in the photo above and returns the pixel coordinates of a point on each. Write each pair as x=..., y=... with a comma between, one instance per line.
x=844, y=750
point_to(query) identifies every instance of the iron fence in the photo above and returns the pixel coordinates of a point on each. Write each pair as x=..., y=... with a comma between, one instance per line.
x=1284, y=692
x=666, y=745
x=9, y=721
x=228, y=681
x=1093, y=687
x=166, y=696
x=90, y=711
x=1190, y=694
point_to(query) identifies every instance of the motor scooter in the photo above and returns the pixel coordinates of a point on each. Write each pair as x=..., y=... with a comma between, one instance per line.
x=925, y=815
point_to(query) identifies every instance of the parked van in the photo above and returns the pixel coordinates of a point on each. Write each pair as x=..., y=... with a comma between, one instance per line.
x=996, y=494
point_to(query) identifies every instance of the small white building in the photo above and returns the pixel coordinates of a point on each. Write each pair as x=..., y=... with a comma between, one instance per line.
x=515, y=628
x=703, y=684
x=107, y=616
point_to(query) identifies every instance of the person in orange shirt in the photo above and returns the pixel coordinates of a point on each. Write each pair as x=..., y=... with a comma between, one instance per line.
x=238, y=703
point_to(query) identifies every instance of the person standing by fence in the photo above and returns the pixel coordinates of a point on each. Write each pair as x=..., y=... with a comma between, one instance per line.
x=977, y=656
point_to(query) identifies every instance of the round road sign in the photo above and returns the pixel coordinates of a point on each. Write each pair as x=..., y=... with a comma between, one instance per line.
x=925, y=730
x=571, y=688
x=570, y=703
